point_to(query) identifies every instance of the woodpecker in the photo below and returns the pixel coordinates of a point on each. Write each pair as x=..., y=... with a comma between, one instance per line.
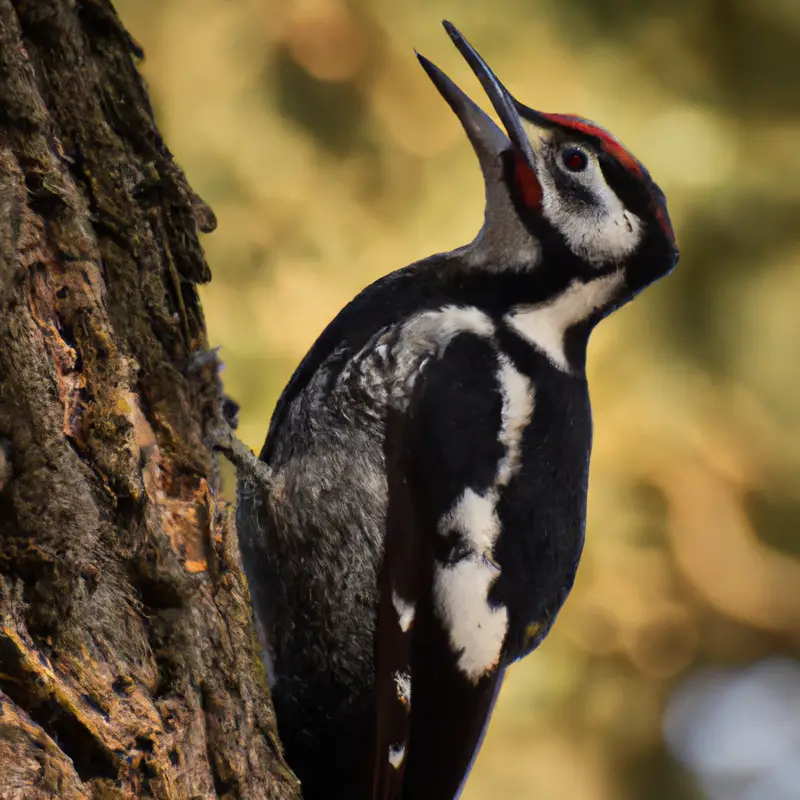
x=425, y=472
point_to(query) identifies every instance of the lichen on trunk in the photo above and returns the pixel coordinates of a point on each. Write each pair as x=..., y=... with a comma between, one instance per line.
x=128, y=660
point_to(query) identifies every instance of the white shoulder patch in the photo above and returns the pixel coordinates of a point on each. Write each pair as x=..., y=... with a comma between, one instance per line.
x=544, y=325
x=464, y=319
x=440, y=326
x=406, y=351
x=427, y=335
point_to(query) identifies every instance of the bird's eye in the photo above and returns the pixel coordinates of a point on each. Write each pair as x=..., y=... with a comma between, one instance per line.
x=574, y=159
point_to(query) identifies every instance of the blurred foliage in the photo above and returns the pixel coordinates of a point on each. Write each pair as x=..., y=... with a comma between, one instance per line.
x=330, y=160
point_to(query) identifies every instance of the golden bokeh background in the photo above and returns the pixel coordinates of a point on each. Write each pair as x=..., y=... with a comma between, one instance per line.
x=330, y=159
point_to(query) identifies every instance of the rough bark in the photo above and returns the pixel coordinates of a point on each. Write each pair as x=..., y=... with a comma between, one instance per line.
x=128, y=659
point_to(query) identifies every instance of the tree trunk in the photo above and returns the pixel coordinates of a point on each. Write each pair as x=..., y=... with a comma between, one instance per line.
x=128, y=660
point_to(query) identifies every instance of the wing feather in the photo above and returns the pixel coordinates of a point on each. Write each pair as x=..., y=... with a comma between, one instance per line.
x=397, y=609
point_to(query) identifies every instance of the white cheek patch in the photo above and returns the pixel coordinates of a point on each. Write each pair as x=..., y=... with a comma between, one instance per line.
x=604, y=232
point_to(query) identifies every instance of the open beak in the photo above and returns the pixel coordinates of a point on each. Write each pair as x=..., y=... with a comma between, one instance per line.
x=504, y=103
x=504, y=236
x=487, y=139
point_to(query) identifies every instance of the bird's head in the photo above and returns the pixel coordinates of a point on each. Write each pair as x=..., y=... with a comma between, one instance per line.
x=562, y=193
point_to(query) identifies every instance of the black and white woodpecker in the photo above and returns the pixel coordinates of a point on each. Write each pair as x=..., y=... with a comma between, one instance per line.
x=426, y=467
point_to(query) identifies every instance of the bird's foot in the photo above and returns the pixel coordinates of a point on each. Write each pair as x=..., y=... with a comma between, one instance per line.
x=247, y=463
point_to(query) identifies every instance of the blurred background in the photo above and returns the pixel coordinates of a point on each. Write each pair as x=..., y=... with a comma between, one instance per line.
x=330, y=159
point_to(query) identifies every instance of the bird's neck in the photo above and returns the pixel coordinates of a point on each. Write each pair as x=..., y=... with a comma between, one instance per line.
x=549, y=303
x=559, y=327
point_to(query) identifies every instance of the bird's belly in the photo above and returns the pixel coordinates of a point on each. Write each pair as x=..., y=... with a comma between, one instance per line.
x=538, y=564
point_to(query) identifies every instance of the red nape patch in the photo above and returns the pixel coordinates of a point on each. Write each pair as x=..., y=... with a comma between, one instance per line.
x=663, y=221
x=609, y=143
x=528, y=184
